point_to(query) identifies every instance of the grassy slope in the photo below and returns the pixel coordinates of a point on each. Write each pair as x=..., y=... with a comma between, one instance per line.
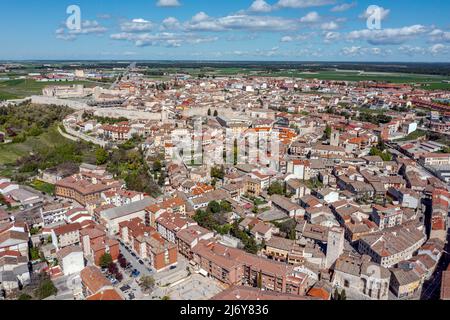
x=21, y=88
x=9, y=153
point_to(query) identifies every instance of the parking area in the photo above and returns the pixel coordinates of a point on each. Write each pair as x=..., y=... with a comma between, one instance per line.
x=142, y=266
x=176, y=282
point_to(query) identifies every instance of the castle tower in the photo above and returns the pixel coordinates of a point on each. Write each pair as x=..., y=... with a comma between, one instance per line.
x=335, y=245
x=334, y=139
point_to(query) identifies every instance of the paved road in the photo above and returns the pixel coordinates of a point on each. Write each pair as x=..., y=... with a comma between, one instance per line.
x=143, y=269
x=131, y=66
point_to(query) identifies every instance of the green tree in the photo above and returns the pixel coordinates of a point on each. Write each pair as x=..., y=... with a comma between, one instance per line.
x=216, y=113
x=218, y=172
x=34, y=253
x=46, y=289
x=276, y=188
x=209, y=112
x=327, y=132
x=225, y=206
x=147, y=283
x=157, y=166
x=101, y=156
x=214, y=207
x=105, y=260
x=165, y=298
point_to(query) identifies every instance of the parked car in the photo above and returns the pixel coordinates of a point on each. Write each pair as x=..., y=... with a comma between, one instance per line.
x=172, y=267
x=135, y=273
x=141, y=262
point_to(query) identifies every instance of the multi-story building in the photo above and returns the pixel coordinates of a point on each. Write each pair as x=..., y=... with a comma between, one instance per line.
x=66, y=235
x=232, y=266
x=387, y=217
x=393, y=245
x=54, y=213
x=435, y=159
x=84, y=190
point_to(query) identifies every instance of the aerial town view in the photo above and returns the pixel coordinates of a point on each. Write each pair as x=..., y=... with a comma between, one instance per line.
x=251, y=150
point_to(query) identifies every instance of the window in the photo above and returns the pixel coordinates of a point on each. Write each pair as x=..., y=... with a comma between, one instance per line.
x=346, y=283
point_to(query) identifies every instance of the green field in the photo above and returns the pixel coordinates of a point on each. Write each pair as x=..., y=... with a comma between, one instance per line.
x=358, y=76
x=9, y=153
x=430, y=82
x=43, y=186
x=21, y=88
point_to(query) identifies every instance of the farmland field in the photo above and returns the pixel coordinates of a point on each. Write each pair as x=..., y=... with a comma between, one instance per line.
x=21, y=88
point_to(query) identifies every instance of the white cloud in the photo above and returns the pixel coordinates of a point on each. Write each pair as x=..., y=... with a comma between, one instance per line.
x=371, y=10
x=167, y=39
x=437, y=35
x=202, y=22
x=87, y=27
x=362, y=51
x=311, y=17
x=296, y=4
x=260, y=6
x=388, y=36
x=299, y=37
x=287, y=39
x=435, y=50
x=343, y=7
x=201, y=16
x=329, y=26
x=168, y=3
x=411, y=50
x=331, y=36
x=170, y=23
x=136, y=25
x=438, y=49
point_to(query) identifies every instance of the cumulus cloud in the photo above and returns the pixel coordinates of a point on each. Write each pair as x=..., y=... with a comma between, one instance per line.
x=371, y=11
x=343, y=7
x=298, y=37
x=311, y=17
x=287, y=39
x=168, y=3
x=388, y=36
x=329, y=26
x=438, y=49
x=298, y=4
x=136, y=25
x=438, y=35
x=170, y=23
x=331, y=36
x=260, y=6
x=167, y=39
x=362, y=51
x=435, y=50
x=202, y=22
x=87, y=27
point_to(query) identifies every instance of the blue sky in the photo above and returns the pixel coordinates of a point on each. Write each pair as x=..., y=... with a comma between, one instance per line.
x=293, y=30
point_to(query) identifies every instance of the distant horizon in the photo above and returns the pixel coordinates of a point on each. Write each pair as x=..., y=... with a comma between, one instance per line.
x=223, y=61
